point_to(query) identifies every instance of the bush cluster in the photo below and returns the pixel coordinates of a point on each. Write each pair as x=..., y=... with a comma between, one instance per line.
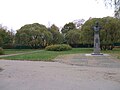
x=1, y=51
x=58, y=47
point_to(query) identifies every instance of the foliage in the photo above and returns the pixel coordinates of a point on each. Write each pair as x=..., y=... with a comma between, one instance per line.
x=109, y=33
x=73, y=37
x=117, y=8
x=34, y=35
x=115, y=4
x=78, y=23
x=6, y=37
x=87, y=33
x=2, y=35
x=57, y=36
x=68, y=27
x=58, y=47
x=1, y=51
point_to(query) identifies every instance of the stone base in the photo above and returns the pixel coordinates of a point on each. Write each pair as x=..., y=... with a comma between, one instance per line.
x=97, y=54
x=93, y=54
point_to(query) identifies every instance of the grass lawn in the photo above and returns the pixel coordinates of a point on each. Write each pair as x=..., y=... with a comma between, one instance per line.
x=115, y=52
x=42, y=55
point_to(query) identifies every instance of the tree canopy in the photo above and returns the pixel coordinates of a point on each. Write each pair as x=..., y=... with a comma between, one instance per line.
x=34, y=35
x=57, y=36
x=6, y=37
x=39, y=36
x=115, y=4
x=109, y=33
x=73, y=37
x=68, y=27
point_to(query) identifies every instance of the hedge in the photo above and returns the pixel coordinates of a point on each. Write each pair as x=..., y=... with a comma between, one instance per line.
x=58, y=47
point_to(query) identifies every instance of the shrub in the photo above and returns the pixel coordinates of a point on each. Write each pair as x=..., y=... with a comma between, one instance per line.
x=58, y=47
x=1, y=51
x=8, y=46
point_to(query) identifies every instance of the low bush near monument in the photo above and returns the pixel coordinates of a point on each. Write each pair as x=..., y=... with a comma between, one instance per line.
x=59, y=47
x=1, y=51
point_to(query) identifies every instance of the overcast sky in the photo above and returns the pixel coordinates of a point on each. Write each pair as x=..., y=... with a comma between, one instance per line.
x=16, y=13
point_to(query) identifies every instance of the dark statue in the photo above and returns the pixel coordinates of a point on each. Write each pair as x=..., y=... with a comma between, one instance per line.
x=97, y=28
x=96, y=39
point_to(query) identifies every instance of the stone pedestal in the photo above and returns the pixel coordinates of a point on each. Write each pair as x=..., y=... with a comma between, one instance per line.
x=96, y=44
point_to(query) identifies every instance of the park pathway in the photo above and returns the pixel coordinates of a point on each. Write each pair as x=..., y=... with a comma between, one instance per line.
x=20, y=53
x=74, y=72
x=90, y=60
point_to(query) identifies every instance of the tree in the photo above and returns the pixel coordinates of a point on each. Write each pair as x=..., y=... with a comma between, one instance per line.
x=87, y=31
x=57, y=36
x=6, y=37
x=68, y=27
x=33, y=35
x=73, y=37
x=117, y=8
x=78, y=23
x=116, y=4
x=109, y=34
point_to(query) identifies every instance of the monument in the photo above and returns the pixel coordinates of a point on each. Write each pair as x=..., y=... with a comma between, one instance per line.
x=96, y=39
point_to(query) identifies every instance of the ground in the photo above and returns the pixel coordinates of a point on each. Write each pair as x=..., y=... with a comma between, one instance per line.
x=68, y=72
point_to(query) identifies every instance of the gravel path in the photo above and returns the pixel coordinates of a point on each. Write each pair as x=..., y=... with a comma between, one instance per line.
x=35, y=75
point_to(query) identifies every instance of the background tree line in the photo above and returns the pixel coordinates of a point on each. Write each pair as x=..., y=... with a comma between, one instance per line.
x=109, y=33
x=39, y=36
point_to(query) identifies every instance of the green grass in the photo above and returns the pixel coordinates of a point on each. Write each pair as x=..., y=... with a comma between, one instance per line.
x=42, y=55
x=115, y=52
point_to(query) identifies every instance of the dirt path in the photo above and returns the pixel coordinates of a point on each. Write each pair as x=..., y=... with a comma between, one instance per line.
x=18, y=54
x=35, y=75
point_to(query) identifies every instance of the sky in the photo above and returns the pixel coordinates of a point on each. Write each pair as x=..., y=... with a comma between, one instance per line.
x=16, y=13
